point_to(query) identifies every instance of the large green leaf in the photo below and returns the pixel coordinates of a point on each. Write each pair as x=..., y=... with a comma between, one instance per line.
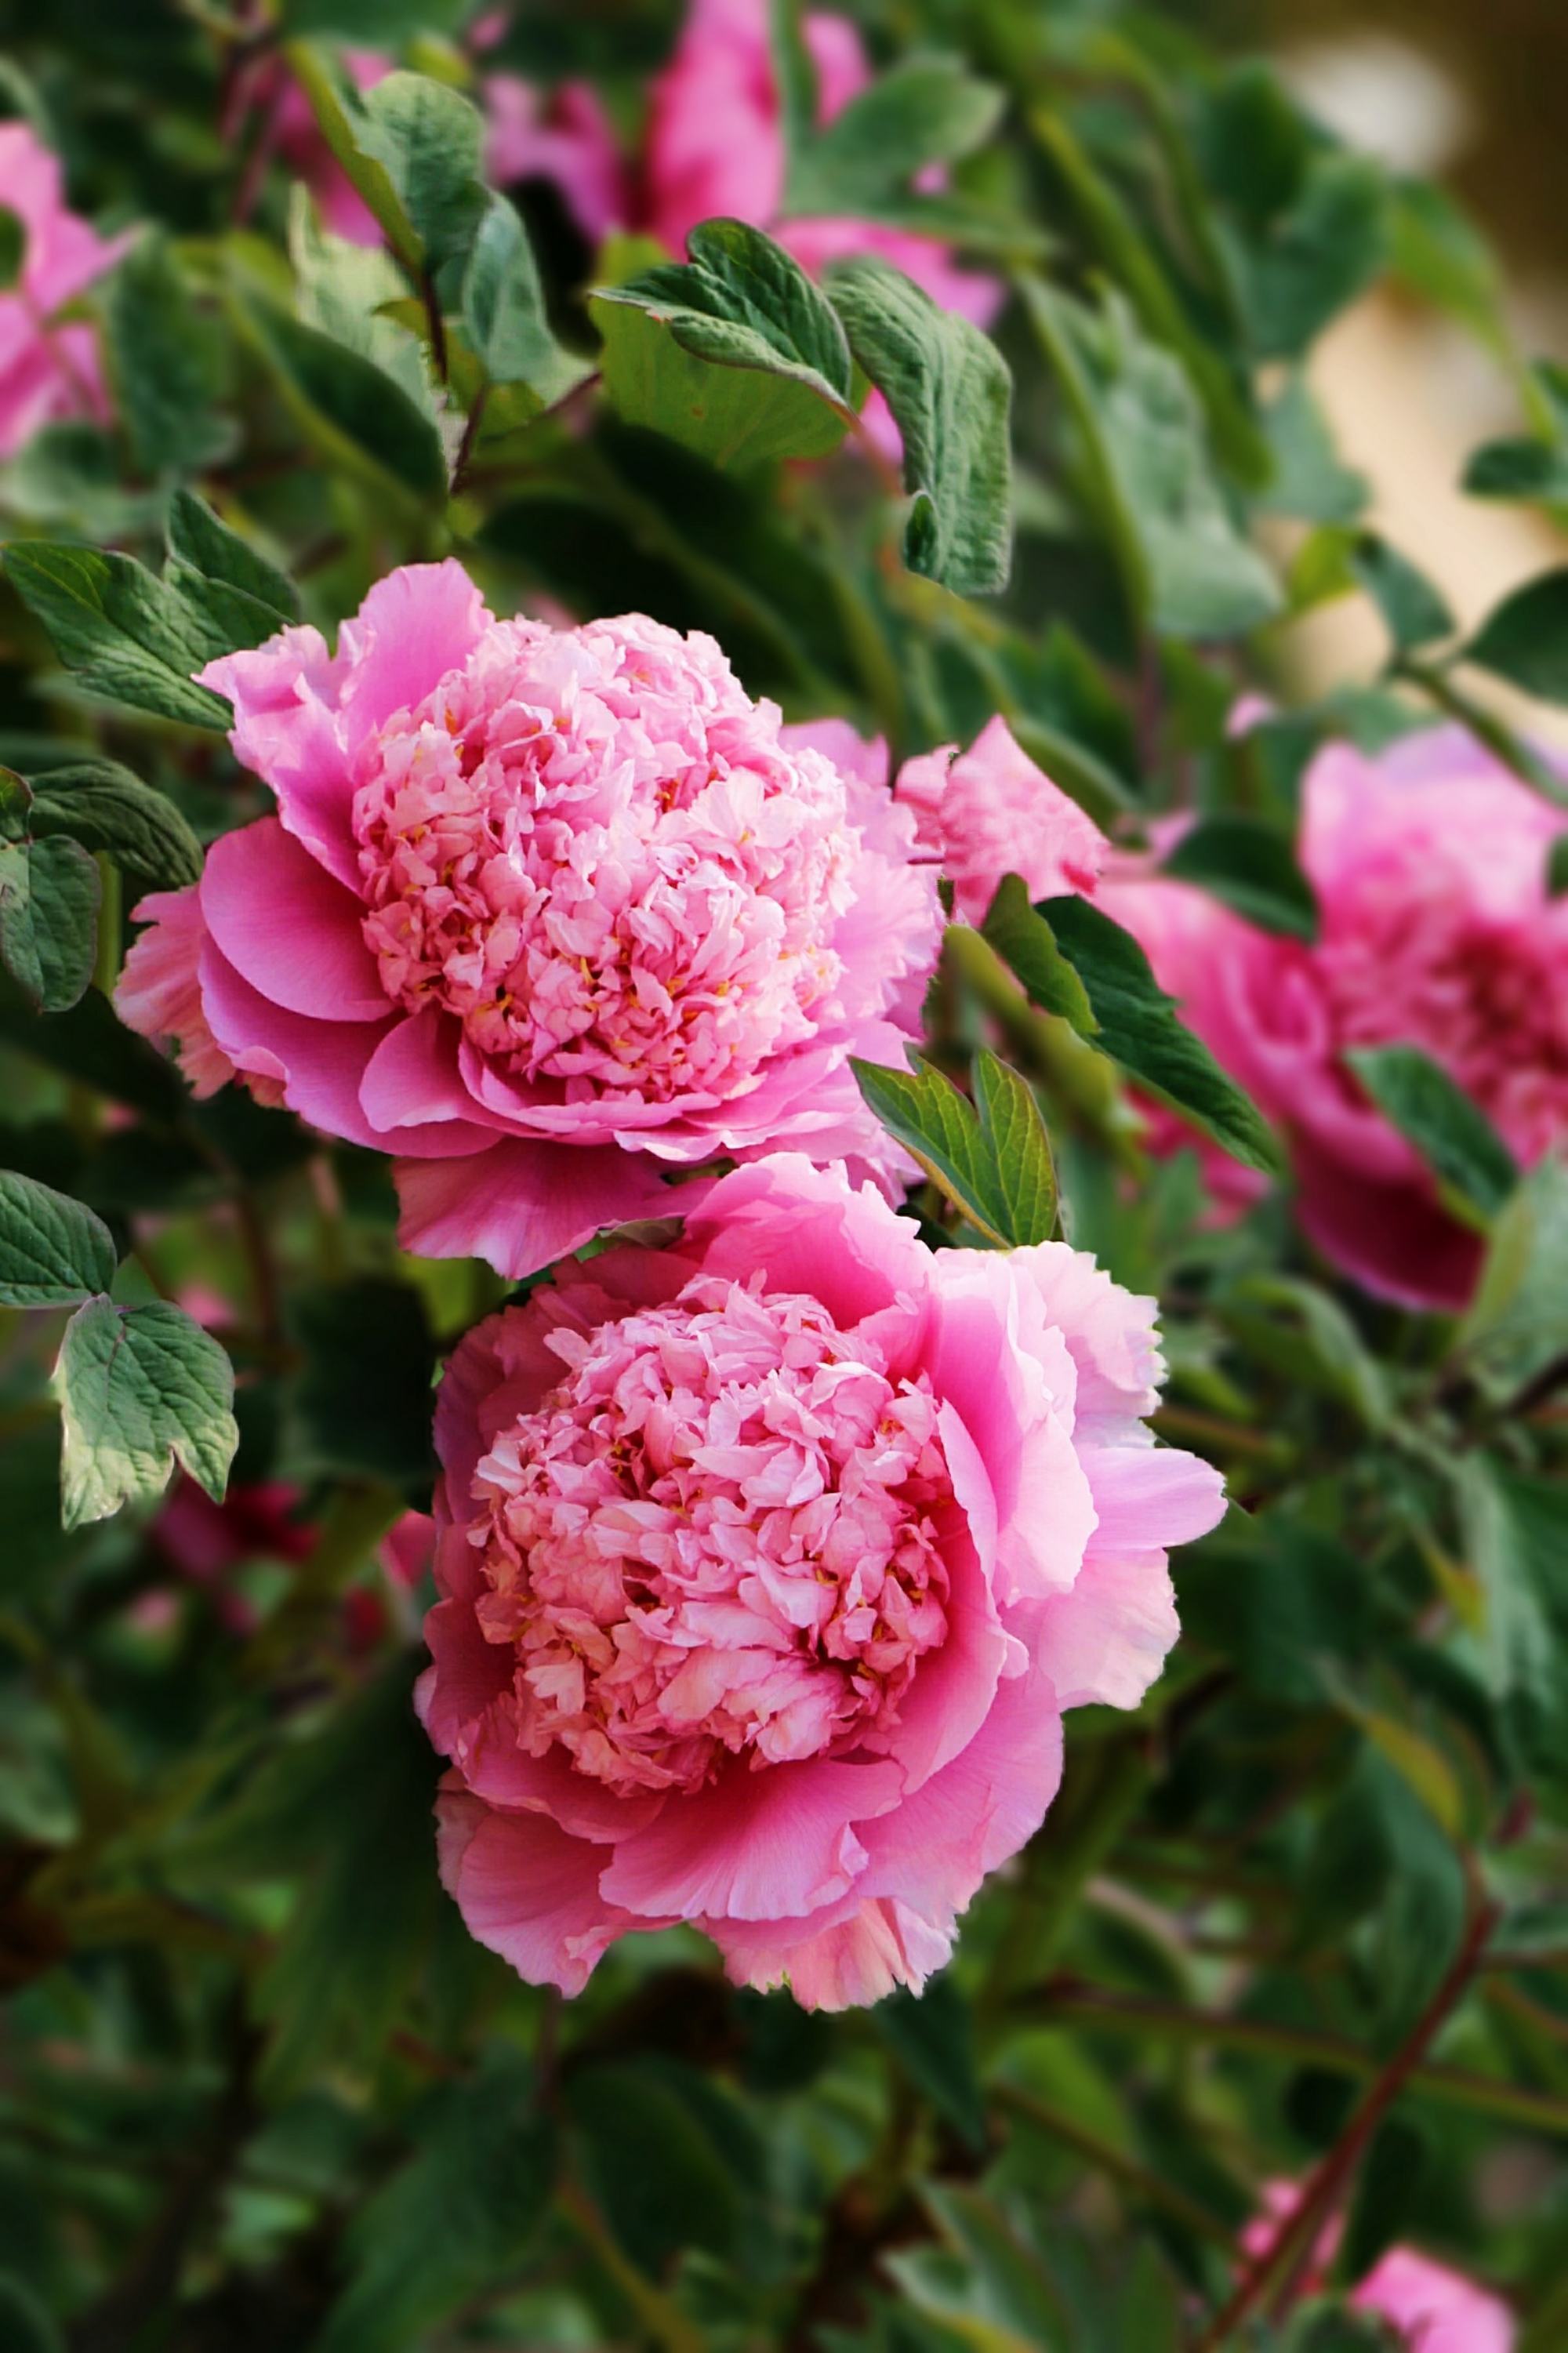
x=991, y=1157
x=411, y=146
x=102, y=804
x=204, y=546
x=1187, y=568
x=1451, y=1132
x=1525, y=639
x=49, y=893
x=53, y=1252
x=168, y=361
x=127, y=635
x=361, y=416
x=925, y=110
x=504, y=309
x=140, y=1389
x=950, y=393
x=454, y=2218
x=686, y=345
x=1076, y=962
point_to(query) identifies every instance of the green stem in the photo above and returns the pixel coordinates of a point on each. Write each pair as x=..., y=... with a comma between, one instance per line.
x=1109, y=2011
x=1137, y=2179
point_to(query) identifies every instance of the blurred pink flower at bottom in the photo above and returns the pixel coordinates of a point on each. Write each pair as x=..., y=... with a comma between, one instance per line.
x=47, y=370
x=1435, y=2309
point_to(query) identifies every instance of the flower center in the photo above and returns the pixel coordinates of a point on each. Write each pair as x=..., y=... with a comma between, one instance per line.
x=590, y=847
x=714, y=1537
x=1485, y=998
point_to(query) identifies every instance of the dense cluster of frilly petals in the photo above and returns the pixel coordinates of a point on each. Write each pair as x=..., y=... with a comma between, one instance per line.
x=1437, y=929
x=768, y=1565
x=50, y=367
x=544, y=913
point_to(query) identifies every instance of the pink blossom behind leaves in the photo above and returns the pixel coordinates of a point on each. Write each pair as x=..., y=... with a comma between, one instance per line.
x=1437, y=931
x=48, y=368
x=768, y=1565
x=548, y=914
x=990, y=811
x=1433, y=2308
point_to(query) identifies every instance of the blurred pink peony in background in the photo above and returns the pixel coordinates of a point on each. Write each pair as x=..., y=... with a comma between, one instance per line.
x=1434, y=2309
x=990, y=811
x=564, y=136
x=769, y=1563
x=550, y=914
x=1437, y=930
x=47, y=371
x=292, y=131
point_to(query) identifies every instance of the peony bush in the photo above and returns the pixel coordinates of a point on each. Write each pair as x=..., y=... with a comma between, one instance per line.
x=782, y=1273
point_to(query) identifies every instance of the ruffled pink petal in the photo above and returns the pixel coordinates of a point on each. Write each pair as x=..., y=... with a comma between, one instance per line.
x=416, y=625
x=955, y=1687
x=318, y=1063
x=526, y=1889
x=520, y=1204
x=413, y=1079
x=159, y=994
x=852, y=755
x=496, y=1769
x=287, y=927
x=285, y=697
x=1148, y=1497
x=754, y=1846
x=1110, y=1335
x=882, y=1946
x=1107, y=1639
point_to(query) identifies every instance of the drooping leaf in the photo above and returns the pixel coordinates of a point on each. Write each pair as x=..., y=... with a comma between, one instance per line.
x=1186, y=567
x=502, y=303
x=49, y=893
x=126, y=634
x=361, y=417
x=950, y=394
x=167, y=358
x=1414, y=611
x=1452, y=1134
x=992, y=1158
x=924, y=110
x=453, y=2220
x=53, y=1252
x=411, y=147
x=204, y=543
x=140, y=1389
x=1525, y=639
x=686, y=343
x=1251, y=867
x=1130, y=1017
x=102, y=804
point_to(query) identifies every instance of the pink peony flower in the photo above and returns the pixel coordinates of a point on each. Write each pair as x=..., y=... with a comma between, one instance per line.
x=715, y=147
x=1437, y=931
x=1434, y=2309
x=47, y=371
x=990, y=811
x=768, y=1565
x=548, y=912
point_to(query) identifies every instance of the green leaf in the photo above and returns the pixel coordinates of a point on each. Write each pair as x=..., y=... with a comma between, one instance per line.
x=684, y=342
x=652, y=2139
x=1027, y=946
x=1319, y=257
x=1320, y=1349
x=504, y=312
x=1525, y=469
x=53, y=1252
x=1414, y=611
x=1187, y=567
x=384, y=23
x=933, y=2037
x=13, y=246
x=1517, y=1323
x=167, y=359
x=1310, y=482
x=1512, y=1533
x=204, y=544
x=140, y=1390
x=411, y=147
x=1453, y=1134
x=992, y=1158
x=49, y=893
x=1251, y=867
x=1136, y=1024
x=127, y=635
x=360, y=416
x=1525, y=639
x=455, y=2218
x=950, y=394
x=104, y=806
x=925, y=110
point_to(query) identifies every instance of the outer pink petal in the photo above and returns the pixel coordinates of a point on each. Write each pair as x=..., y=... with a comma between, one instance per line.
x=287, y=927
x=414, y=626
x=1110, y=1335
x=285, y=697
x=496, y=1769
x=955, y=1688
x=526, y=1890
x=1107, y=1639
x=520, y=1204
x=320, y=1063
x=851, y=1963
x=1148, y=1497
x=159, y=994
x=413, y=1079
x=754, y=1846
x=1395, y=1238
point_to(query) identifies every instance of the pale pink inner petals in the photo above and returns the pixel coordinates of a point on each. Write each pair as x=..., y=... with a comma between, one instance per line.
x=713, y=1538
